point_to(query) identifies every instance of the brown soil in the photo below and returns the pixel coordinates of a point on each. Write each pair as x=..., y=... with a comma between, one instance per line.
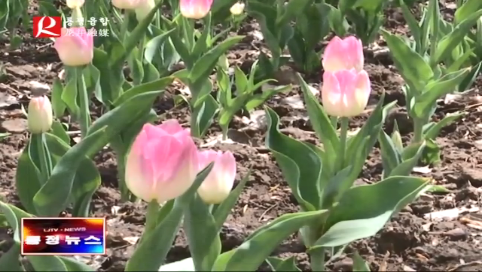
x=409, y=242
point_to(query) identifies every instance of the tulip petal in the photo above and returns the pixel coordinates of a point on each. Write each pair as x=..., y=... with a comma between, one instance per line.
x=206, y=157
x=182, y=179
x=218, y=184
x=135, y=176
x=171, y=126
x=345, y=93
x=363, y=89
x=75, y=46
x=343, y=54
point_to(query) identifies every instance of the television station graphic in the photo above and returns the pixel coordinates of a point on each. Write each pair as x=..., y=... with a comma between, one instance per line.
x=63, y=236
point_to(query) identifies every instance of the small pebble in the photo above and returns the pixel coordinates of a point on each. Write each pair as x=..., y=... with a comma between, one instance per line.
x=456, y=234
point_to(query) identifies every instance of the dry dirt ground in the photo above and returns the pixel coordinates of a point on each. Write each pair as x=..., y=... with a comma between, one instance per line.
x=415, y=240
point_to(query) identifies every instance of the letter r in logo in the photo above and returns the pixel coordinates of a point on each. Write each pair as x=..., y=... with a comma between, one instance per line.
x=47, y=26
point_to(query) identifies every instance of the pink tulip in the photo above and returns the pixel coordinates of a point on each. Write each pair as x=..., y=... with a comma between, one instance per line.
x=219, y=182
x=162, y=163
x=75, y=46
x=195, y=9
x=345, y=93
x=39, y=114
x=342, y=54
x=127, y=4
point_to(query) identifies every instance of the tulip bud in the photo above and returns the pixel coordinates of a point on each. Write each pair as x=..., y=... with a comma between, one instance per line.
x=75, y=3
x=75, y=46
x=195, y=9
x=223, y=62
x=237, y=8
x=345, y=93
x=144, y=9
x=39, y=115
x=127, y=4
x=219, y=182
x=341, y=54
x=397, y=138
x=162, y=163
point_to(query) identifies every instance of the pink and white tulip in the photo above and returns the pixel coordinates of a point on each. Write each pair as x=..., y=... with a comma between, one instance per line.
x=345, y=93
x=39, y=114
x=219, y=182
x=75, y=46
x=237, y=8
x=75, y=3
x=195, y=9
x=127, y=4
x=343, y=54
x=162, y=163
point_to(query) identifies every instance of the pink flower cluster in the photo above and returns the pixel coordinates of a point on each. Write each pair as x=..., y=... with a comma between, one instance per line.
x=346, y=86
x=164, y=161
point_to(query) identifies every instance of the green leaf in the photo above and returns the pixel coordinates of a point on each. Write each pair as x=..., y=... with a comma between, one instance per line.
x=182, y=265
x=120, y=117
x=390, y=155
x=335, y=187
x=291, y=10
x=431, y=154
x=319, y=120
x=73, y=265
x=59, y=131
x=14, y=216
x=259, y=245
x=406, y=167
x=241, y=81
x=27, y=180
x=360, y=146
x=58, y=105
x=425, y=102
x=87, y=178
x=410, y=64
x=205, y=65
x=152, y=251
x=153, y=45
x=359, y=264
x=53, y=197
x=47, y=263
x=223, y=210
x=69, y=97
x=158, y=85
x=365, y=209
x=200, y=228
x=278, y=264
x=203, y=116
x=9, y=260
x=449, y=42
x=259, y=99
x=413, y=25
x=470, y=78
x=300, y=165
x=434, y=130
x=438, y=189
x=136, y=35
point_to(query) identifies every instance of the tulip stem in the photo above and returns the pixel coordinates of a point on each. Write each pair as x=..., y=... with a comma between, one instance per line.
x=417, y=130
x=125, y=25
x=317, y=260
x=83, y=102
x=43, y=156
x=151, y=215
x=343, y=137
